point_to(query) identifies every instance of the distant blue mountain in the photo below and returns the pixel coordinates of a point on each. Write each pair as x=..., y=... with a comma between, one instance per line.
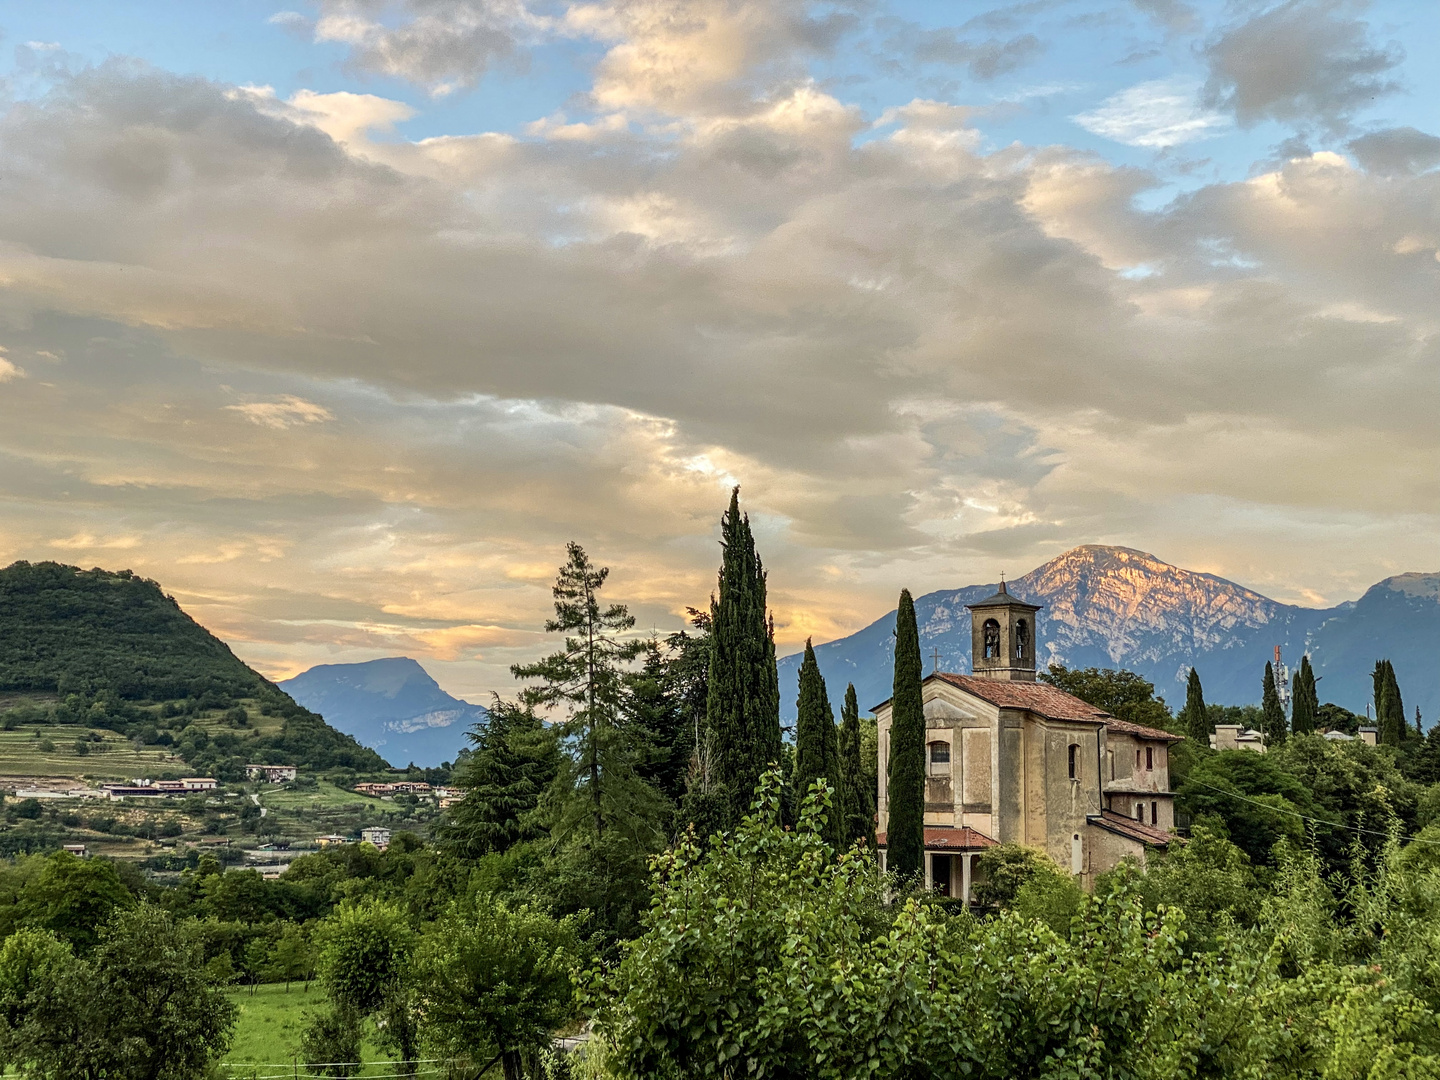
x=1117, y=607
x=392, y=706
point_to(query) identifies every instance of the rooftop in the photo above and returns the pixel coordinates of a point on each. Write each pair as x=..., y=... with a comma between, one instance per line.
x=943, y=838
x=1110, y=821
x=1002, y=598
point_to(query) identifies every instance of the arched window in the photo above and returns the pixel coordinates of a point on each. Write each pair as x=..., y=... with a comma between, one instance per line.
x=1074, y=761
x=992, y=639
x=939, y=758
x=1022, y=639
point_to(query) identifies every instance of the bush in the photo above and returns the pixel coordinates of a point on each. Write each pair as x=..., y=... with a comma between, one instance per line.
x=330, y=1044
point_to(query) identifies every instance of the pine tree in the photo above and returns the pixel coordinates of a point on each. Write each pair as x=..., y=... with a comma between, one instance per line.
x=905, y=830
x=743, y=703
x=1272, y=722
x=1304, y=700
x=816, y=756
x=586, y=675
x=1194, y=718
x=859, y=796
x=514, y=760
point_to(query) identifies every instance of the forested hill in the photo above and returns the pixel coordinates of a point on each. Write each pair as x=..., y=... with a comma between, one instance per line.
x=65, y=630
x=111, y=645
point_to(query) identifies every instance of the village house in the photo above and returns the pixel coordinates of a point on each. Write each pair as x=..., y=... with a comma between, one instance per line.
x=271, y=774
x=377, y=835
x=1010, y=759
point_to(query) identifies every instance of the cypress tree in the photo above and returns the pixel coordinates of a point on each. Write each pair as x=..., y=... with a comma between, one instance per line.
x=1193, y=717
x=816, y=751
x=905, y=830
x=1272, y=722
x=1304, y=700
x=859, y=802
x=1389, y=707
x=742, y=708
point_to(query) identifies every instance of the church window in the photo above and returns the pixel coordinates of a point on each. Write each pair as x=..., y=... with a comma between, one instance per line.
x=1022, y=640
x=992, y=639
x=939, y=758
x=1074, y=761
x=1149, y=757
x=1154, y=813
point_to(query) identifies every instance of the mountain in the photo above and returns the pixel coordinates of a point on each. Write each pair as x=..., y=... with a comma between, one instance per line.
x=1118, y=607
x=392, y=706
x=125, y=657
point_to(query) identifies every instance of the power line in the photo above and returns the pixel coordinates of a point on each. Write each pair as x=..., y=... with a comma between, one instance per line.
x=1306, y=817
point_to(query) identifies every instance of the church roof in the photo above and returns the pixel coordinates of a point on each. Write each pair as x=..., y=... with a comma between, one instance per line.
x=1048, y=701
x=944, y=838
x=1002, y=598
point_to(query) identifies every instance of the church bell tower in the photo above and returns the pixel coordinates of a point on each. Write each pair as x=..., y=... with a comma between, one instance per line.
x=1002, y=644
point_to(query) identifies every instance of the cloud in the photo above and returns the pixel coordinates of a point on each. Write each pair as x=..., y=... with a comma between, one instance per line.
x=8, y=369
x=1175, y=16
x=916, y=354
x=286, y=412
x=1307, y=63
x=442, y=45
x=1397, y=151
x=1156, y=114
x=949, y=46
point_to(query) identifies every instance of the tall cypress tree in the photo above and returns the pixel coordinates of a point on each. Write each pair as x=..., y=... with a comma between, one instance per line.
x=859, y=802
x=1389, y=707
x=1272, y=722
x=743, y=704
x=1304, y=699
x=1193, y=717
x=816, y=752
x=905, y=830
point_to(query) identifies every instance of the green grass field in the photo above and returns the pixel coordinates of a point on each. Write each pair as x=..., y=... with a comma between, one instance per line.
x=267, y=1032
x=325, y=796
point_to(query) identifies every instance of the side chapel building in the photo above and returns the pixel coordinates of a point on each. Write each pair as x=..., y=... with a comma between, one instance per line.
x=1009, y=759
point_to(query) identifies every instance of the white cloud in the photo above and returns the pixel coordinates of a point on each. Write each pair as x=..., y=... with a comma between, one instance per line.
x=1156, y=114
x=8, y=370
x=285, y=412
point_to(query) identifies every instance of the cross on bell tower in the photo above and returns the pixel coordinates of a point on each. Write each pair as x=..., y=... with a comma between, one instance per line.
x=1002, y=643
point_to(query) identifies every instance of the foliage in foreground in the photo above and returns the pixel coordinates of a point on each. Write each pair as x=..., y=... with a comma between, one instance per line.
x=771, y=957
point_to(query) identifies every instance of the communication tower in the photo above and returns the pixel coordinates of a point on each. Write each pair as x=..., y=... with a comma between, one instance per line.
x=1282, y=682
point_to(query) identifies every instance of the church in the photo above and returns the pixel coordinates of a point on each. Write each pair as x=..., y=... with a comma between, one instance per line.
x=1010, y=759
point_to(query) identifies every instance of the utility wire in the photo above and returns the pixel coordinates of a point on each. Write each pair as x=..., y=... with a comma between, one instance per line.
x=1306, y=817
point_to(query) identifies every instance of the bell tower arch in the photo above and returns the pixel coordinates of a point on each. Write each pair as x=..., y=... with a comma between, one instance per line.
x=1003, y=637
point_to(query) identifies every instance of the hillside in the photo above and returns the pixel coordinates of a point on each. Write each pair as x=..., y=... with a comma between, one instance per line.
x=106, y=657
x=392, y=706
x=1118, y=607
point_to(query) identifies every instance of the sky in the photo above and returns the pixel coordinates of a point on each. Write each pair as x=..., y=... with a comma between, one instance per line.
x=340, y=319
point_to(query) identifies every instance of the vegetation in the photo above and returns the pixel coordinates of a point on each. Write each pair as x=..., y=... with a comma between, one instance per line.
x=592, y=876
x=905, y=831
x=1272, y=713
x=1304, y=699
x=743, y=703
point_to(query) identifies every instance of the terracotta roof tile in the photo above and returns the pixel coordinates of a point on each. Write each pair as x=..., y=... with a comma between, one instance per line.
x=1048, y=701
x=940, y=838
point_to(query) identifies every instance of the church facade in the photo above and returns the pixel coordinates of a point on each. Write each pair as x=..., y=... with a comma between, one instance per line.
x=1010, y=759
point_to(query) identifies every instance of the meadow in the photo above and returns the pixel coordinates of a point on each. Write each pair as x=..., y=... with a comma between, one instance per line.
x=267, y=1034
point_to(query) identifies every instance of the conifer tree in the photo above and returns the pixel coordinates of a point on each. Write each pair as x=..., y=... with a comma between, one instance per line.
x=743, y=704
x=859, y=798
x=1272, y=722
x=586, y=675
x=1304, y=699
x=816, y=755
x=905, y=829
x=1194, y=718
x=513, y=762
x=1389, y=707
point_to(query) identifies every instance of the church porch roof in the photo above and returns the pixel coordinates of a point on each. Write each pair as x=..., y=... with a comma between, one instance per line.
x=945, y=838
